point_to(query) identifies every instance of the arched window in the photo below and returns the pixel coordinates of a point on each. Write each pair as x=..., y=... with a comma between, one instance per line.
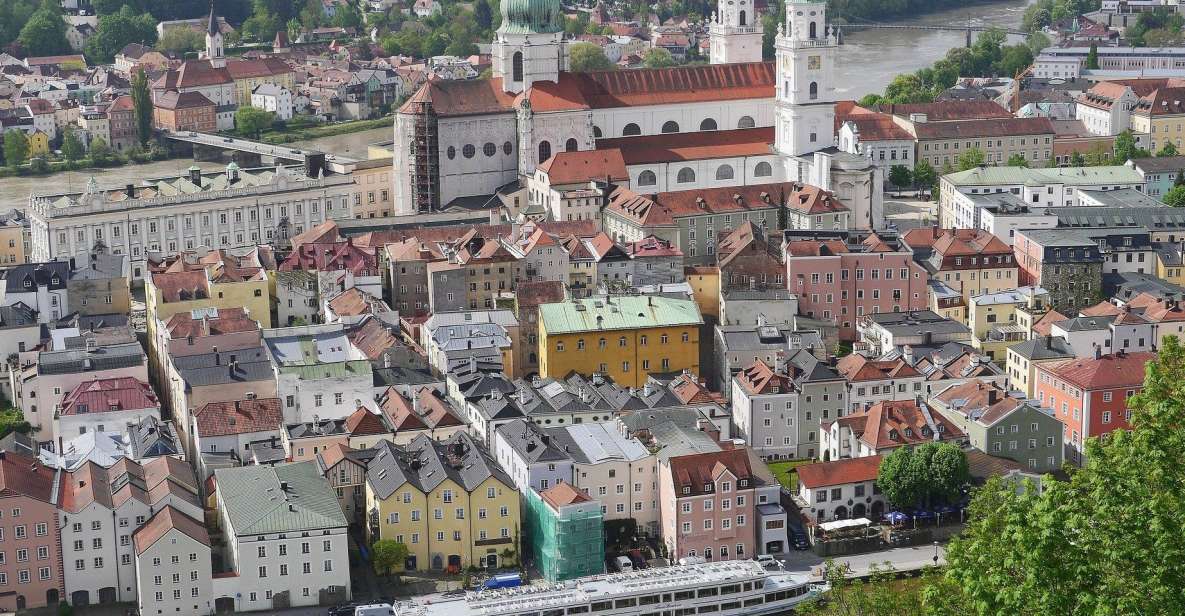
x=707, y=124
x=596, y=132
x=647, y=178
x=763, y=170
x=452, y=152
x=742, y=21
x=570, y=146
x=814, y=90
x=746, y=122
x=516, y=70
x=813, y=31
x=670, y=127
x=686, y=175
x=630, y=130
x=544, y=151
x=724, y=172
x=507, y=148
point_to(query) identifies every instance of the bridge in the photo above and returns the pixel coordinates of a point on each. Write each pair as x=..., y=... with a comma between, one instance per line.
x=249, y=153
x=968, y=28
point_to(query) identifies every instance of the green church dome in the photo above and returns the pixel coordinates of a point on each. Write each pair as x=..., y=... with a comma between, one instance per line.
x=531, y=16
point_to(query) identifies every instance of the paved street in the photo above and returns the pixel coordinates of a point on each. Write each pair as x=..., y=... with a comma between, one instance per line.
x=902, y=559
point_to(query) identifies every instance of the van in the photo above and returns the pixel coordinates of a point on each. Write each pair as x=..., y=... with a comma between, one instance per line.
x=624, y=564
x=375, y=609
x=767, y=561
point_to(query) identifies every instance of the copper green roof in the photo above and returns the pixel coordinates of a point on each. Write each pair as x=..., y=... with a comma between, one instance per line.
x=278, y=499
x=531, y=17
x=621, y=312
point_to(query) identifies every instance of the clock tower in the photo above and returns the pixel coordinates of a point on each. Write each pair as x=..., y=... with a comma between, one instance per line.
x=805, y=100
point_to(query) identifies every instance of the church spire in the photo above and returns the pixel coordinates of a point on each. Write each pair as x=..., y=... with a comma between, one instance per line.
x=214, y=50
x=212, y=26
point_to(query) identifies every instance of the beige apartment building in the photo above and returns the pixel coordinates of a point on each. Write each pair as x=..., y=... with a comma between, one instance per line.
x=372, y=188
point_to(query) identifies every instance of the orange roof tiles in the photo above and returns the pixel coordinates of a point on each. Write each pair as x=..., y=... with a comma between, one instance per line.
x=25, y=476
x=839, y=472
x=1107, y=372
x=855, y=367
x=109, y=395
x=562, y=494
x=239, y=417
x=663, y=208
x=696, y=470
x=364, y=423
x=661, y=86
x=585, y=166
x=896, y=423
x=165, y=520
x=697, y=145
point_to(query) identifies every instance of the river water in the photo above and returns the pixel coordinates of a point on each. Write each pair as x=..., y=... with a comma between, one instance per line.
x=867, y=62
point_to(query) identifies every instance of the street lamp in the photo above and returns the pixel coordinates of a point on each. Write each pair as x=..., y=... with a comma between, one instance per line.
x=935, y=553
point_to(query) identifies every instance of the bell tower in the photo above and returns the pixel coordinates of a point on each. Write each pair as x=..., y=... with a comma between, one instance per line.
x=529, y=46
x=805, y=101
x=735, y=33
x=215, y=52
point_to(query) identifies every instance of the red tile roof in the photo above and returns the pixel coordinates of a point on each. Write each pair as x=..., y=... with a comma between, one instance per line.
x=1044, y=325
x=164, y=521
x=885, y=424
x=563, y=494
x=952, y=242
x=839, y=472
x=807, y=248
x=662, y=86
x=996, y=127
x=364, y=423
x=109, y=395
x=991, y=402
x=759, y=378
x=1107, y=372
x=664, y=208
x=653, y=246
x=536, y=292
x=873, y=127
x=697, y=145
x=324, y=233
x=372, y=338
x=264, y=67
x=228, y=321
x=430, y=410
x=807, y=199
x=25, y=476
x=173, y=99
x=239, y=417
x=696, y=470
x=463, y=97
x=582, y=167
x=174, y=285
x=943, y=111
x=331, y=257
x=192, y=74
x=855, y=367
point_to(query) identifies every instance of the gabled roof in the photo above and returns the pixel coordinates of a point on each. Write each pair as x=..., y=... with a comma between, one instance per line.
x=585, y=166
x=284, y=498
x=661, y=86
x=22, y=475
x=1107, y=372
x=530, y=442
x=839, y=472
x=109, y=395
x=165, y=520
x=697, y=470
x=759, y=379
x=855, y=367
x=362, y=422
x=695, y=145
x=563, y=494
x=900, y=422
x=239, y=417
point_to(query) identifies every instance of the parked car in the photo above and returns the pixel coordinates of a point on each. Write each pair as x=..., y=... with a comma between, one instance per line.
x=623, y=564
x=767, y=561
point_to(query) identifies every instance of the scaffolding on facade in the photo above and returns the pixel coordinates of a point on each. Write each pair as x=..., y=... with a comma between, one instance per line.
x=566, y=542
x=425, y=167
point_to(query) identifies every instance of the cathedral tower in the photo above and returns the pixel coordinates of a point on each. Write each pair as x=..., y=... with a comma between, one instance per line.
x=805, y=101
x=735, y=33
x=529, y=45
x=215, y=52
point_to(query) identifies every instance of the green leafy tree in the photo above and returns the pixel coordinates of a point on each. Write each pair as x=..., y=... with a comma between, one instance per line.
x=1092, y=57
x=1108, y=541
x=1016, y=160
x=45, y=32
x=1014, y=59
x=585, y=57
x=971, y=159
x=924, y=174
x=388, y=554
x=899, y=480
x=142, y=107
x=251, y=121
x=181, y=41
x=117, y=30
x=1168, y=149
x=924, y=475
x=13, y=15
x=1125, y=148
x=1180, y=181
x=483, y=14
x=101, y=152
x=1077, y=160
x=72, y=148
x=16, y=147
x=435, y=44
x=1175, y=197
x=657, y=58
x=879, y=595
x=900, y=176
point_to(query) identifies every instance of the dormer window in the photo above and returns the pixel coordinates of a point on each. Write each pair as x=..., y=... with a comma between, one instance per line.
x=28, y=284
x=54, y=280
x=893, y=434
x=707, y=487
x=908, y=432
x=941, y=428
x=687, y=489
x=743, y=483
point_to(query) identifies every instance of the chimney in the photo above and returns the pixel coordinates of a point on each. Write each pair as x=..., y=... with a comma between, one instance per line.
x=195, y=175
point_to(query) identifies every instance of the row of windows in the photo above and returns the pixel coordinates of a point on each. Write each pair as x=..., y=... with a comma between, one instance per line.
x=621, y=342
x=489, y=149
x=671, y=126
x=21, y=531
x=22, y=555
x=23, y=576
x=686, y=175
x=482, y=535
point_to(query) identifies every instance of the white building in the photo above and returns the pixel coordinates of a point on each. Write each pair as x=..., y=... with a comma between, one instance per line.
x=319, y=372
x=40, y=286
x=274, y=98
x=286, y=538
x=102, y=508
x=528, y=455
x=173, y=565
x=840, y=489
x=105, y=405
x=228, y=427
x=617, y=471
x=236, y=208
x=735, y=32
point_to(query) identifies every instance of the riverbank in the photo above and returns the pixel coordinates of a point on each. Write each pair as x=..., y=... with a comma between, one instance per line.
x=319, y=131
x=856, y=11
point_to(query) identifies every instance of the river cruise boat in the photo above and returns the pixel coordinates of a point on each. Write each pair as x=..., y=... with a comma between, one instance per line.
x=730, y=588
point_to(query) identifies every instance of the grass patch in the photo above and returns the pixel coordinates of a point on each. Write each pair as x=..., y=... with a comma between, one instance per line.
x=786, y=473
x=304, y=133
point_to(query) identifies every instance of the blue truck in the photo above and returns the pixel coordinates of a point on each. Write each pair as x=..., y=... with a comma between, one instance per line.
x=503, y=580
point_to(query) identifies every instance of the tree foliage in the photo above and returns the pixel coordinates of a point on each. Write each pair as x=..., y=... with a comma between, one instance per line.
x=1168, y=149
x=251, y=121
x=388, y=554
x=181, y=41
x=11, y=420
x=13, y=16
x=971, y=159
x=657, y=58
x=1108, y=541
x=72, y=148
x=142, y=107
x=1160, y=26
x=117, y=30
x=924, y=475
x=924, y=174
x=16, y=147
x=1175, y=196
x=45, y=32
x=585, y=57
x=879, y=595
x=900, y=176
x=1092, y=57
x=1125, y=148
x=1016, y=160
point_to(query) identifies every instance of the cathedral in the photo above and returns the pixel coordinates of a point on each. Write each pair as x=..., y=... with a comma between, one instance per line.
x=736, y=122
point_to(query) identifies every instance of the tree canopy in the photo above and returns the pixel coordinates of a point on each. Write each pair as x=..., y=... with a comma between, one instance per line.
x=44, y=34
x=1125, y=148
x=657, y=58
x=388, y=554
x=117, y=30
x=16, y=147
x=928, y=474
x=251, y=121
x=1108, y=541
x=1175, y=196
x=585, y=57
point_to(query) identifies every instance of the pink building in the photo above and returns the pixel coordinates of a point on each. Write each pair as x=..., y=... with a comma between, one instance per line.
x=840, y=279
x=708, y=505
x=30, y=548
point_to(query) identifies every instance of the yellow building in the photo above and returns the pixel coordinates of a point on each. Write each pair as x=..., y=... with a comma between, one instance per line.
x=994, y=319
x=216, y=284
x=1169, y=264
x=448, y=501
x=1024, y=357
x=970, y=261
x=14, y=238
x=38, y=144
x=1161, y=116
x=946, y=302
x=624, y=337
x=372, y=188
x=705, y=288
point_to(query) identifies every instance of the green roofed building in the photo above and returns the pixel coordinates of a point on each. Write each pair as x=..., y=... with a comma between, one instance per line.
x=319, y=372
x=624, y=337
x=286, y=540
x=565, y=532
